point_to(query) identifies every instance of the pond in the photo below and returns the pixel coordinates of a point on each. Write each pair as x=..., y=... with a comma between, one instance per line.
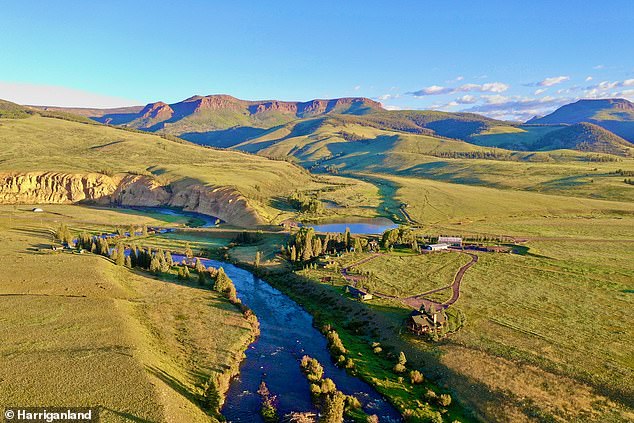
x=361, y=226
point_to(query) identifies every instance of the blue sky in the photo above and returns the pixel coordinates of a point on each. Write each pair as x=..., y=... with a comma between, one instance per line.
x=507, y=59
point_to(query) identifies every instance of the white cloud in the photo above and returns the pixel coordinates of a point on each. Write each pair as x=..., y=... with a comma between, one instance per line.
x=467, y=99
x=389, y=107
x=589, y=78
x=517, y=108
x=357, y=87
x=49, y=95
x=597, y=67
x=387, y=97
x=628, y=83
x=459, y=78
x=549, y=82
x=493, y=87
x=540, y=91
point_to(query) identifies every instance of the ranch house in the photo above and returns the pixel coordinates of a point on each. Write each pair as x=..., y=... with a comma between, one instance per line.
x=429, y=317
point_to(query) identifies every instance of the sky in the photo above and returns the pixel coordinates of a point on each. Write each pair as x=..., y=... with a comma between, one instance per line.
x=505, y=59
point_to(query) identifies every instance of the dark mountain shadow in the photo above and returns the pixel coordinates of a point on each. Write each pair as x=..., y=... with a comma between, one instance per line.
x=116, y=118
x=224, y=138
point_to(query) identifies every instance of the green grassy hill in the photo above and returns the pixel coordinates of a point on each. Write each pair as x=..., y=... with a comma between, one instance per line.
x=615, y=115
x=330, y=145
x=585, y=137
x=38, y=143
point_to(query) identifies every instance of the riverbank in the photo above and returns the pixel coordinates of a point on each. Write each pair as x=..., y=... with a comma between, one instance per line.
x=362, y=330
x=78, y=330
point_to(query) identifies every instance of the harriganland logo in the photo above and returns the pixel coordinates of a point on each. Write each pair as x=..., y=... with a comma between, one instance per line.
x=52, y=414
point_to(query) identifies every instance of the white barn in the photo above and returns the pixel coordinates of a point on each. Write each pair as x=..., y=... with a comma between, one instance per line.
x=438, y=247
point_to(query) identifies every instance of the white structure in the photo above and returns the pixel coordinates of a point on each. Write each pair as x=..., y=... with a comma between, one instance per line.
x=37, y=210
x=438, y=247
x=452, y=240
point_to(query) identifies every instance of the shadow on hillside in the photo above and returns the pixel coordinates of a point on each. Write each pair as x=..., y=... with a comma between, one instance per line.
x=126, y=416
x=224, y=138
x=176, y=385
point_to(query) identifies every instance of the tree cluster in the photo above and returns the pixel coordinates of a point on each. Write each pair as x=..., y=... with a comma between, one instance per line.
x=305, y=204
x=332, y=402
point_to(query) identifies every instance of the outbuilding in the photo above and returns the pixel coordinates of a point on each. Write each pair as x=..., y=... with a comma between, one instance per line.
x=359, y=294
x=37, y=210
x=438, y=247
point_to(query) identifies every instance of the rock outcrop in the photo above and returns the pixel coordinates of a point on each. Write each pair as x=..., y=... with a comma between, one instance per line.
x=225, y=203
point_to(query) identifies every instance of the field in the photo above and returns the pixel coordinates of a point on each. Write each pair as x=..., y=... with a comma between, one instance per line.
x=70, y=320
x=408, y=274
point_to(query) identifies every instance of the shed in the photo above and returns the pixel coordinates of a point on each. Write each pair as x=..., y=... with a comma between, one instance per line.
x=438, y=247
x=359, y=294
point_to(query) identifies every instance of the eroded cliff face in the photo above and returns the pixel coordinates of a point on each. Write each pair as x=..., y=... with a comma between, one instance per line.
x=126, y=190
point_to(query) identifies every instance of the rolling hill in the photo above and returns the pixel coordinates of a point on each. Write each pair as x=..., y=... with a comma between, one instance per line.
x=585, y=136
x=56, y=160
x=615, y=115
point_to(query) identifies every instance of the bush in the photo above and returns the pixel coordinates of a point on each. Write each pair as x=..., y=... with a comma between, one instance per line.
x=444, y=400
x=377, y=350
x=399, y=368
x=416, y=377
x=430, y=395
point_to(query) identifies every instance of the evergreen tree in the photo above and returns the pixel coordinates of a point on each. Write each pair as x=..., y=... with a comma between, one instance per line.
x=120, y=257
x=348, y=238
x=188, y=251
x=293, y=253
x=258, y=257
x=155, y=265
x=128, y=262
x=357, y=245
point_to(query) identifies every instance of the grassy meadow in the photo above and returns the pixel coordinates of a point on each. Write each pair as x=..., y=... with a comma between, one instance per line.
x=69, y=320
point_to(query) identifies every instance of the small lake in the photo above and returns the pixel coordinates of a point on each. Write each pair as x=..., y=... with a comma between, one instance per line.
x=361, y=226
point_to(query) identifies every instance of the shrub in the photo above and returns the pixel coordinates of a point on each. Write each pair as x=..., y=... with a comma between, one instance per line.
x=399, y=368
x=416, y=377
x=444, y=400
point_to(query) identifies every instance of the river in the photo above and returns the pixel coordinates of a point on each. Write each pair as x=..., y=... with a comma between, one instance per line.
x=286, y=334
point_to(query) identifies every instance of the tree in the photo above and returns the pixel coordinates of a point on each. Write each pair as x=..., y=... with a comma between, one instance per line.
x=333, y=408
x=188, y=251
x=347, y=238
x=400, y=366
x=444, y=400
x=416, y=377
x=202, y=278
x=128, y=262
x=258, y=257
x=293, y=253
x=155, y=265
x=268, y=408
x=357, y=245
x=120, y=257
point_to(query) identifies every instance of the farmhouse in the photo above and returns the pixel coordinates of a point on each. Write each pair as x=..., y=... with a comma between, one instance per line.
x=451, y=240
x=438, y=247
x=429, y=318
x=359, y=294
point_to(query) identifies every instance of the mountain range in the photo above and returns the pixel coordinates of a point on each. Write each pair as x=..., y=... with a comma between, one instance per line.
x=602, y=126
